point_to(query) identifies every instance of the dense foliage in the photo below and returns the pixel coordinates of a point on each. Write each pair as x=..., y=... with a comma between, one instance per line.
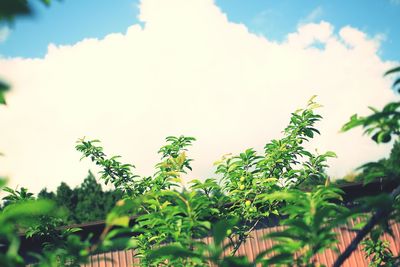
x=170, y=213
x=85, y=203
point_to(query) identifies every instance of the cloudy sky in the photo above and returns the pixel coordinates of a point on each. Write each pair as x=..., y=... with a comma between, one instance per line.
x=228, y=72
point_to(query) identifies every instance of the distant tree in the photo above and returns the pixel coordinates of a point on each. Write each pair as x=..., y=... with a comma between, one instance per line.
x=47, y=195
x=85, y=203
x=93, y=203
x=67, y=198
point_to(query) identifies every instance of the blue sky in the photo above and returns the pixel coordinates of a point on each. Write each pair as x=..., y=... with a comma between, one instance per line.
x=70, y=21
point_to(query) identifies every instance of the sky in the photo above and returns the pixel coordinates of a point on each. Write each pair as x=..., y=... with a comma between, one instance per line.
x=70, y=21
x=228, y=72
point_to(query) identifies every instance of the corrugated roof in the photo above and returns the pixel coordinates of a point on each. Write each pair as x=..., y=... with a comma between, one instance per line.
x=257, y=244
x=254, y=245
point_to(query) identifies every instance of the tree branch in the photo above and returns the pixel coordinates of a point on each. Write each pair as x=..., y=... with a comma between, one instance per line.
x=242, y=238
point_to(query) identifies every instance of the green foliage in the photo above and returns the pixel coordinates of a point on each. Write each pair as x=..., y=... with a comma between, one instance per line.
x=378, y=252
x=392, y=163
x=16, y=217
x=24, y=214
x=285, y=163
x=173, y=217
x=4, y=87
x=383, y=124
x=120, y=175
x=92, y=202
x=43, y=219
x=252, y=187
x=85, y=203
x=67, y=250
x=309, y=226
x=167, y=213
x=9, y=9
x=174, y=162
x=203, y=254
x=17, y=195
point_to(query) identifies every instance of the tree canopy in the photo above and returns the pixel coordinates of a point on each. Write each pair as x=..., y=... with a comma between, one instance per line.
x=86, y=203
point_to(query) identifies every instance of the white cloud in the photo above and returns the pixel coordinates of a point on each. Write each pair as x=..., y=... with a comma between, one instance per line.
x=188, y=71
x=4, y=33
x=311, y=33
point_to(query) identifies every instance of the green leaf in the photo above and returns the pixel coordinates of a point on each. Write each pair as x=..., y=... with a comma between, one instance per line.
x=205, y=224
x=330, y=154
x=28, y=208
x=355, y=121
x=2, y=99
x=3, y=88
x=383, y=137
x=114, y=220
x=220, y=230
x=2, y=182
x=288, y=196
x=394, y=70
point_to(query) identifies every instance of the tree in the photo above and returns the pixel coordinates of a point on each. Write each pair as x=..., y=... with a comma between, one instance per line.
x=166, y=212
x=85, y=203
x=92, y=202
x=66, y=197
x=44, y=194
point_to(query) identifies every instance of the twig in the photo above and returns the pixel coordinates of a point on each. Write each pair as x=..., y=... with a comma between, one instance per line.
x=242, y=238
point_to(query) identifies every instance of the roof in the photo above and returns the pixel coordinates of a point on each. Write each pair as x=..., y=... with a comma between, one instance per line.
x=351, y=192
